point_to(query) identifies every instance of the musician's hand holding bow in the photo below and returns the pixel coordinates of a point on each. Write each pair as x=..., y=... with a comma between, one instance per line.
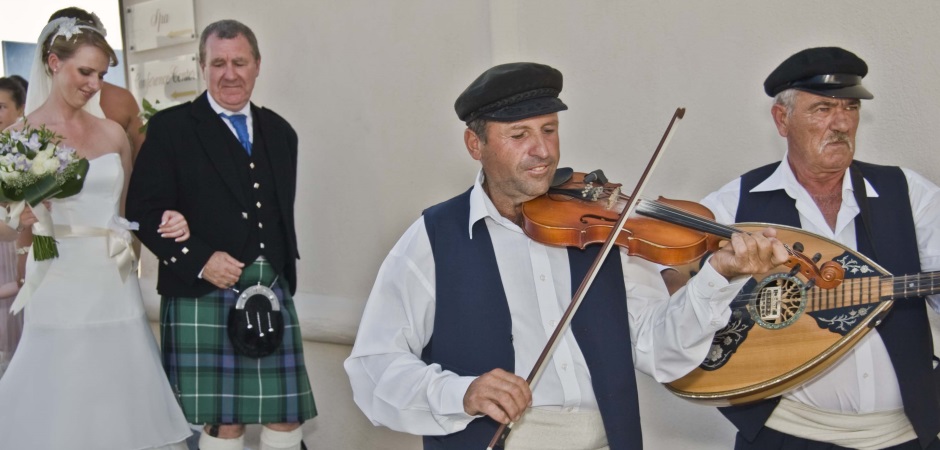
x=499, y=394
x=749, y=254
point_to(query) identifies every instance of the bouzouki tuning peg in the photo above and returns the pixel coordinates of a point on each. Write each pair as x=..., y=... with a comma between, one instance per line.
x=794, y=271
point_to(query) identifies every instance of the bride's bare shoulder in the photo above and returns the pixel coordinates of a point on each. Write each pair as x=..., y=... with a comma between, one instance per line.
x=109, y=129
x=105, y=136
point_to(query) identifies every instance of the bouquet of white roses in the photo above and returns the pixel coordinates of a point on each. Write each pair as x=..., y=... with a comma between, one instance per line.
x=34, y=167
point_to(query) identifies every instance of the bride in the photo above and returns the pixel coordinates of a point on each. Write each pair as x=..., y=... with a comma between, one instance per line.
x=87, y=374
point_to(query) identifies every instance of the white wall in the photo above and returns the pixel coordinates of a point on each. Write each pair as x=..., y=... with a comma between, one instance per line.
x=23, y=21
x=370, y=86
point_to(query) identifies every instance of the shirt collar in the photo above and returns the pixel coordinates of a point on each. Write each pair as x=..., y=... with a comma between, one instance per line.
x=246, y=110
x=482, y=207
x=783, y=178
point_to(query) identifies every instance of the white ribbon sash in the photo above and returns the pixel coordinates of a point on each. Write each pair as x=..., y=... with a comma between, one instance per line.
x=119, y=241
x=11, y=216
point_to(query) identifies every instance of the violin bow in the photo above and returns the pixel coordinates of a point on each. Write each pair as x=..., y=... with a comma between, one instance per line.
x=499, y=439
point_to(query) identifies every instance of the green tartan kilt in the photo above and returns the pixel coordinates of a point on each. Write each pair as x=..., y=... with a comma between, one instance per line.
x=217, y=386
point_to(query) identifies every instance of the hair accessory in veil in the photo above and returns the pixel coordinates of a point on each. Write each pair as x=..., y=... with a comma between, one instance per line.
x=70, y=27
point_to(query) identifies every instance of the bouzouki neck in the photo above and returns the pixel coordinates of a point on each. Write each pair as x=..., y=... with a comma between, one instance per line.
x=867, y=290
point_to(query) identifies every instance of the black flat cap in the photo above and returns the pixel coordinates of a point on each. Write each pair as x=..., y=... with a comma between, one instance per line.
x=511, y=92
x=826, y=71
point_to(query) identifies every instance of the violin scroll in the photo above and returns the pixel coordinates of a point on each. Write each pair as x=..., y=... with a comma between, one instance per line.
x=828, y=276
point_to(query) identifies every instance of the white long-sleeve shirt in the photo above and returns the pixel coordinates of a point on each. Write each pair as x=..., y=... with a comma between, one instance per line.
x=864, y=380
x=395, y=388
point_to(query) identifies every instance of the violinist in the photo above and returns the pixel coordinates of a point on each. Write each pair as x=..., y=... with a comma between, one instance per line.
x=884, y=392
x=465, y=301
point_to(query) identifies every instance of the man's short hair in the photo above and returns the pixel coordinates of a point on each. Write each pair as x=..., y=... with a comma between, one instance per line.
x=787, y=99
x=227, y=29
x=478, y=127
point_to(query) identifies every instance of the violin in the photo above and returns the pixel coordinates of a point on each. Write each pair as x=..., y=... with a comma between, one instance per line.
x=580, y=209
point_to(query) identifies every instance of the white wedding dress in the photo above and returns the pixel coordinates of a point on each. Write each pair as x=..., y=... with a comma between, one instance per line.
x=87, y=373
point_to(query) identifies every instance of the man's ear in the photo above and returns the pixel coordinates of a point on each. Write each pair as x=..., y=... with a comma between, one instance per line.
x=781, y=119
x=474, y=146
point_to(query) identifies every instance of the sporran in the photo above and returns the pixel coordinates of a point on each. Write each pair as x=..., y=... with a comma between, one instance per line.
x=255, y=325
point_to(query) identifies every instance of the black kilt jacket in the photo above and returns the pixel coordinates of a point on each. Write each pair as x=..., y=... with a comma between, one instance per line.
x=185, y=165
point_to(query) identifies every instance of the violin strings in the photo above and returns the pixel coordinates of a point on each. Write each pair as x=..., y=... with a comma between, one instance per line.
x=679, y=216
x=662, y=211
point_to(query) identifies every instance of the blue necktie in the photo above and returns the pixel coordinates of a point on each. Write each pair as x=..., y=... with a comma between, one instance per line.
x=239, y=121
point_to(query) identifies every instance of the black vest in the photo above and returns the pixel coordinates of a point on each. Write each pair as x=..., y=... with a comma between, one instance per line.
x=905, y=330
x=473, y=330
x=266, y=233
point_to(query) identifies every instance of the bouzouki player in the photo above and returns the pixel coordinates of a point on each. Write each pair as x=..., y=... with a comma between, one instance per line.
x=883, y=393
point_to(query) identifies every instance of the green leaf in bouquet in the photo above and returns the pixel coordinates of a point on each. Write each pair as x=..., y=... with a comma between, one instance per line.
x=73, y=184
x=8, y=194
x=25, y=150
x=42, y=189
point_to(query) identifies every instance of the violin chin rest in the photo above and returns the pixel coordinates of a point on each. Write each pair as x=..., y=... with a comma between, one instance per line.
x=562, y=175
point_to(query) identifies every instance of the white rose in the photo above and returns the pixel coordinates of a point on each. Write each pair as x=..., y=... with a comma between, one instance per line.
x=50, y=165
x=9, y=177
x=39, y=164
x=48, y=151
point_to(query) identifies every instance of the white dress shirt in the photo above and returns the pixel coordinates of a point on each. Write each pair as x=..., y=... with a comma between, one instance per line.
x=864, y=380
x=246, y=110
x=395, y=388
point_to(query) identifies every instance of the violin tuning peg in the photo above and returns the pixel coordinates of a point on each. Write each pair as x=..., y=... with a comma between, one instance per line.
x=798, y=246
x=817, y=257
x=809, y=284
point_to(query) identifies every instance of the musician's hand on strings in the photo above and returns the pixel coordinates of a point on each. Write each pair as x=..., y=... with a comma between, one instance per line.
x=499, y=394
x=749, y=254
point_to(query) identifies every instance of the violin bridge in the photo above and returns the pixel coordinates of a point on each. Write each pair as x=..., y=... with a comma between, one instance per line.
x=612, y=199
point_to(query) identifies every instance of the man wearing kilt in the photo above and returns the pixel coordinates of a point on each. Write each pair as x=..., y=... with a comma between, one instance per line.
x=230, y=168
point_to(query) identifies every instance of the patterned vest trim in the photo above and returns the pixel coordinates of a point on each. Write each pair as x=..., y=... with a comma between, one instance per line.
x=473, y=329
x=905, y=330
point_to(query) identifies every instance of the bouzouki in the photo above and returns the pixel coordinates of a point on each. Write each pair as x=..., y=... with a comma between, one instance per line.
x=785, y=329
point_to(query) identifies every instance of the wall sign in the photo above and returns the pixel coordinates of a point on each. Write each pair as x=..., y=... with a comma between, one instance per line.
x=159, y=23
x=165, y=82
